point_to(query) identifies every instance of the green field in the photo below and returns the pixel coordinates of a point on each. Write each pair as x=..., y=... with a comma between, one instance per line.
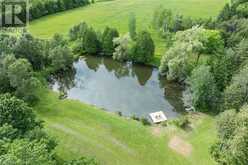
x=85, y=130
x=115, y=13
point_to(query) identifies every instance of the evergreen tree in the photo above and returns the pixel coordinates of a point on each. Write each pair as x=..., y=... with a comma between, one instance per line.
x=143, y=50
x=107, y=41
x=91, y=44
x=132, y=26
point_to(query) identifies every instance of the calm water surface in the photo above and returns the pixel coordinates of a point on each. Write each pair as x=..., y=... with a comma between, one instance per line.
x=131, y=89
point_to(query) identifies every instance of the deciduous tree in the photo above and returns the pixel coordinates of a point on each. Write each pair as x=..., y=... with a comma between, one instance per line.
x=204, y=91
x=17, y=114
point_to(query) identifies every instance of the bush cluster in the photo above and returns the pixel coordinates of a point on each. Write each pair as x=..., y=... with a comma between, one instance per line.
x=181, y=122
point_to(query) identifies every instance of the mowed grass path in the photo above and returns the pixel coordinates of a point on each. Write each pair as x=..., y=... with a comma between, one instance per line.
x=116, y=13
x=84, y=130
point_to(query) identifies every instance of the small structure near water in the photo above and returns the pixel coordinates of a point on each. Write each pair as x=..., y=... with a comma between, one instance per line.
x=158, y=117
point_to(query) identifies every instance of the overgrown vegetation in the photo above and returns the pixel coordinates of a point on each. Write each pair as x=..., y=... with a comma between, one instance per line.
x=181, y=122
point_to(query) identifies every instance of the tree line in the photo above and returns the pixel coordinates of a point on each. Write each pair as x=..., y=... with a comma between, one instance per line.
x=39, y=8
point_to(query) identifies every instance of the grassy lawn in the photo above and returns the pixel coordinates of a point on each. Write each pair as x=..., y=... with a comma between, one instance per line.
x=115, y=13
x=86, y=130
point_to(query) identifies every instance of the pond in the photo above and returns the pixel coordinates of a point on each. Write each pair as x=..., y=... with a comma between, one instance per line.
x=131, y=89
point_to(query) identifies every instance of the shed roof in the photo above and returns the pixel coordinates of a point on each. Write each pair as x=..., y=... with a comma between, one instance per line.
x=158, y=117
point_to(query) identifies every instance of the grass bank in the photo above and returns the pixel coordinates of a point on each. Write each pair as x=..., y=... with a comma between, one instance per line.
x=115, y=13
x=86, y=130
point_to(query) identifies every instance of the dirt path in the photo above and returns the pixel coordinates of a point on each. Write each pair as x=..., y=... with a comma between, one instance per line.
x=156, y=131
x=180, y=146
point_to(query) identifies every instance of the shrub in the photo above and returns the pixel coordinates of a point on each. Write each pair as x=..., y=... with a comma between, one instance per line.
x=145, y=121
x=119, y=113
x=181, y=122
x=135, y=118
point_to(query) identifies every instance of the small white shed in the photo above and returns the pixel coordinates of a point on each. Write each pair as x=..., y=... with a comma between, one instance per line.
x=158, y=117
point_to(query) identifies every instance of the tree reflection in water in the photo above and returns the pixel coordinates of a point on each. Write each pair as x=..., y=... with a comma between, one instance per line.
x=65, y=80
x=172, y=93
x=93, y=63
x=120, y=69
x=143, y=73
x=130, y=88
